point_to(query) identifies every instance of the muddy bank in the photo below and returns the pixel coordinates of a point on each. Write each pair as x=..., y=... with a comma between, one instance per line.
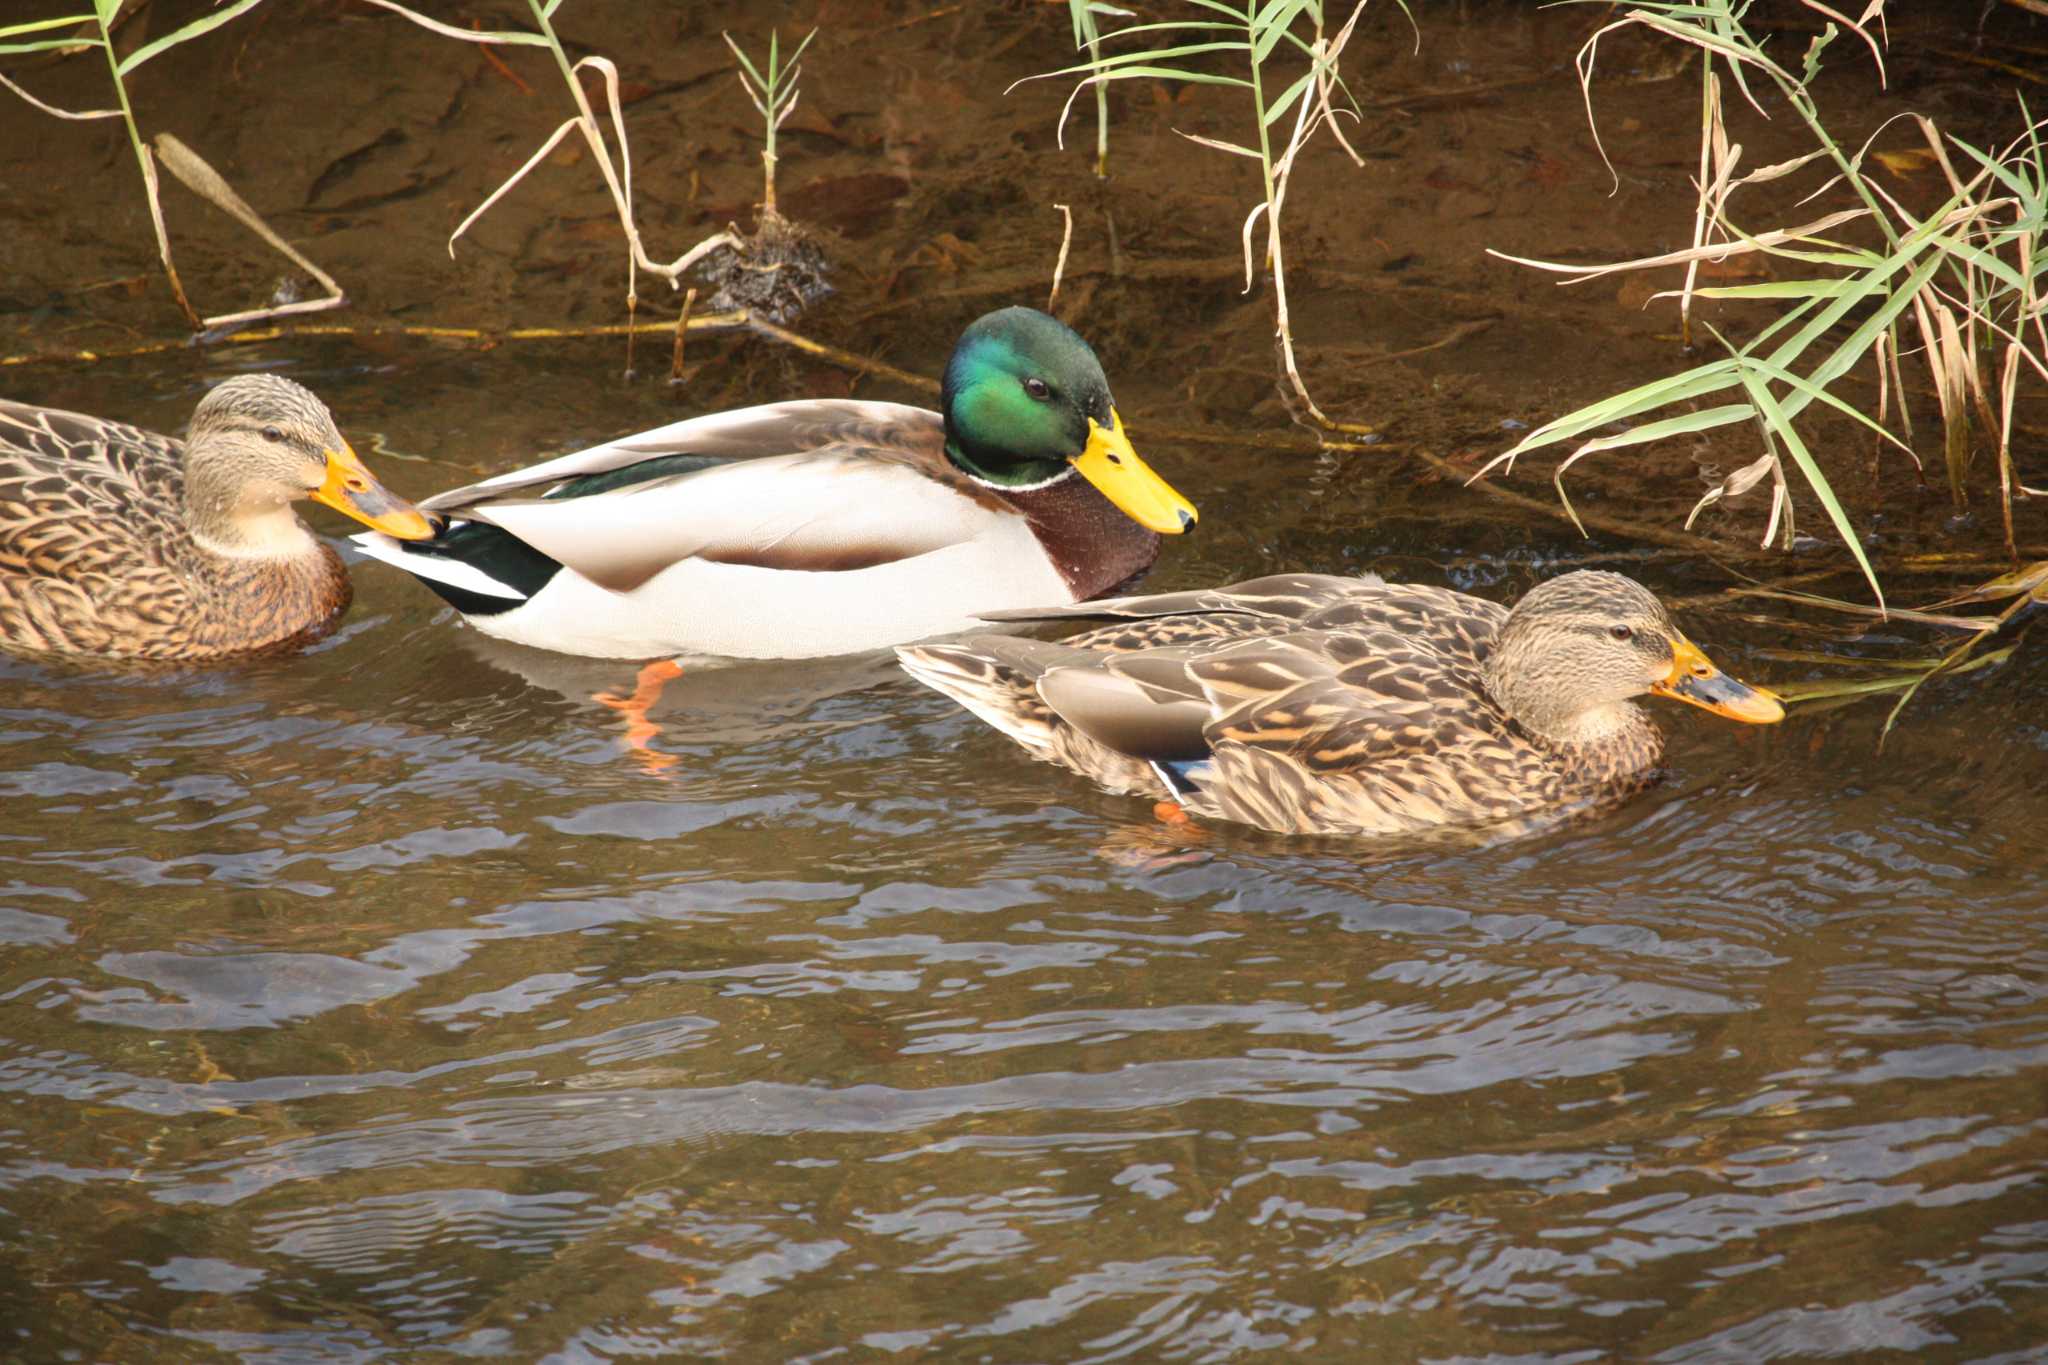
x=366, y=140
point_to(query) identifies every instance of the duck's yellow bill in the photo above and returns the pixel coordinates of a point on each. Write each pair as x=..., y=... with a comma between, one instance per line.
x=1693, y=678
x=1114, y=468
x=352, y=490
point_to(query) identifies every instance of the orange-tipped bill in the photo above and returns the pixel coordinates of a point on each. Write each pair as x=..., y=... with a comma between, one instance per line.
x=352, y=490
x=1114, y=468
x=1693, y=678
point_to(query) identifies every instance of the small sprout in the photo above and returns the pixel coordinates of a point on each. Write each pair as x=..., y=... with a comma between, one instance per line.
x=774, y=94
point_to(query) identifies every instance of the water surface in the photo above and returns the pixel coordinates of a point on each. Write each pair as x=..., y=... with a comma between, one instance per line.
x=378, y=1000
x=378, y=1003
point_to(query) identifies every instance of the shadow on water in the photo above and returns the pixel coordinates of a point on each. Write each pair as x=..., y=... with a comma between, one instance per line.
x=378, y=1003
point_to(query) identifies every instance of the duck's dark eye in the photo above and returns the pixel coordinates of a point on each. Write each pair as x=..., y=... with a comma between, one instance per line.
x=273, y=434
x=1038, y=388
x=1621, y=632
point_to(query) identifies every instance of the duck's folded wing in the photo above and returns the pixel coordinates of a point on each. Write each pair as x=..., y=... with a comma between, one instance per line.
x=744, y=434
x=1164, y=705
x=826, y=511
x=1280, y=597
x=1351, y=702
x=79, y=510
x=1323, y=702
x=1128, y=714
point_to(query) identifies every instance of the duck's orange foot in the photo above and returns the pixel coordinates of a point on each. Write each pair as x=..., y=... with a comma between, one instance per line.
x=639, y=729
x=1176, y=841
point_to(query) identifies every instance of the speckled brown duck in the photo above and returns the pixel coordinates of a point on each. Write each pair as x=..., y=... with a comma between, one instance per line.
x=815, y=527
x=117, y=542
x=1310, y=704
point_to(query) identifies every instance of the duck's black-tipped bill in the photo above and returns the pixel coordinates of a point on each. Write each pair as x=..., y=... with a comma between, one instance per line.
x=1695, y=680
x=1114, y=468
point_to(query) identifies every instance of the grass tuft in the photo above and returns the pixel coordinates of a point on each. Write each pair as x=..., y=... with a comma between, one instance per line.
x=1959, y=287
x=1244, y=36
x=95, y=30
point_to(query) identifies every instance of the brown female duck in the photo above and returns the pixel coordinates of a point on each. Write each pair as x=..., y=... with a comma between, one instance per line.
x=1313, y=704
x=120, y=543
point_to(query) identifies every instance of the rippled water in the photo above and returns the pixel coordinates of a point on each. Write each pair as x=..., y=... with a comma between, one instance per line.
x=377, y=1003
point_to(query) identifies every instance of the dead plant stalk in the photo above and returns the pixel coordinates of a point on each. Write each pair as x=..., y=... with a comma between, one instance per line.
x=618, y=174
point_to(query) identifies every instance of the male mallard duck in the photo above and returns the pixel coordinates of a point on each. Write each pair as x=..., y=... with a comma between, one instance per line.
x=847, y=525
x=121, y=543
x=1310, y=704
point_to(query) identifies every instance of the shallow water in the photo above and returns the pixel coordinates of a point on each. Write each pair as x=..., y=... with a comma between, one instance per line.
x=377, y=1001
x=380, y=1003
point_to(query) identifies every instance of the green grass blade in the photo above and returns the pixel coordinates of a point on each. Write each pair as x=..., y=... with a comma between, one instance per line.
x=1271, y=26
x=507, y=37
x=205, y=23
x=1849, y=352
x=1284, y=101
x=1735, y=53
x=1769, y=409
x=48, y=44
x=746, y=64
x=2028, y=195
x=1810, y=392
x=1776, y=289
x=1871, y=284
x=1693, y=383
x=42, y=26
x=1241, y=16
x=1184, y=25
x=1163, y=54
x=1684, y=424
x=1167, y=73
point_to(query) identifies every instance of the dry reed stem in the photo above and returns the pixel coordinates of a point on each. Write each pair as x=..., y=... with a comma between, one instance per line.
x=204, y=181
x=733, y=321
x=151, y=189
x=675, y=363
x=618, y=177
x=1059, y=267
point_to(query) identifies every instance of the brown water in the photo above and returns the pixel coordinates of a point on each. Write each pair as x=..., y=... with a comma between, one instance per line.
x=376, y=1003
x=375, y=1000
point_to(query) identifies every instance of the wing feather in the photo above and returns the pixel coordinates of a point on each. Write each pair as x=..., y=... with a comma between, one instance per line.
x=822, y=511
x=744, y=434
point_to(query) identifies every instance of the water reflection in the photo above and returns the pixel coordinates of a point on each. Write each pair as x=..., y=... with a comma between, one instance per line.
x=376, y=1002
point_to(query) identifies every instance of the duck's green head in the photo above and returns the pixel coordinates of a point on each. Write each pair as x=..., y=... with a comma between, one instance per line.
x=1027, y=404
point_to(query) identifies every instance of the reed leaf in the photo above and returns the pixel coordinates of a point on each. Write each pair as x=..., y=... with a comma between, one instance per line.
x=204, y=24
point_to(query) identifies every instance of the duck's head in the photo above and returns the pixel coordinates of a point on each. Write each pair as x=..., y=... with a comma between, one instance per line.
x=258, y=443
x=1027, y=404
x=1575, y=649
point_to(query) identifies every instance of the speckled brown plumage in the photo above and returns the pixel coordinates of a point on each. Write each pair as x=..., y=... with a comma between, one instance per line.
x=1307, y=703
x=97, y=549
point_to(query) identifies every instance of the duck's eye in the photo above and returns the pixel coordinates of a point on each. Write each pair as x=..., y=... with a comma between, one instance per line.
x=1621, y=632
x=273, y=434
x=1038, y=388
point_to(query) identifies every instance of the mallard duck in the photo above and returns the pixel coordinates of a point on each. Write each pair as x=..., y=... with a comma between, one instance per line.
x=1310, y=704
x=120, y=543
x=819, y=527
